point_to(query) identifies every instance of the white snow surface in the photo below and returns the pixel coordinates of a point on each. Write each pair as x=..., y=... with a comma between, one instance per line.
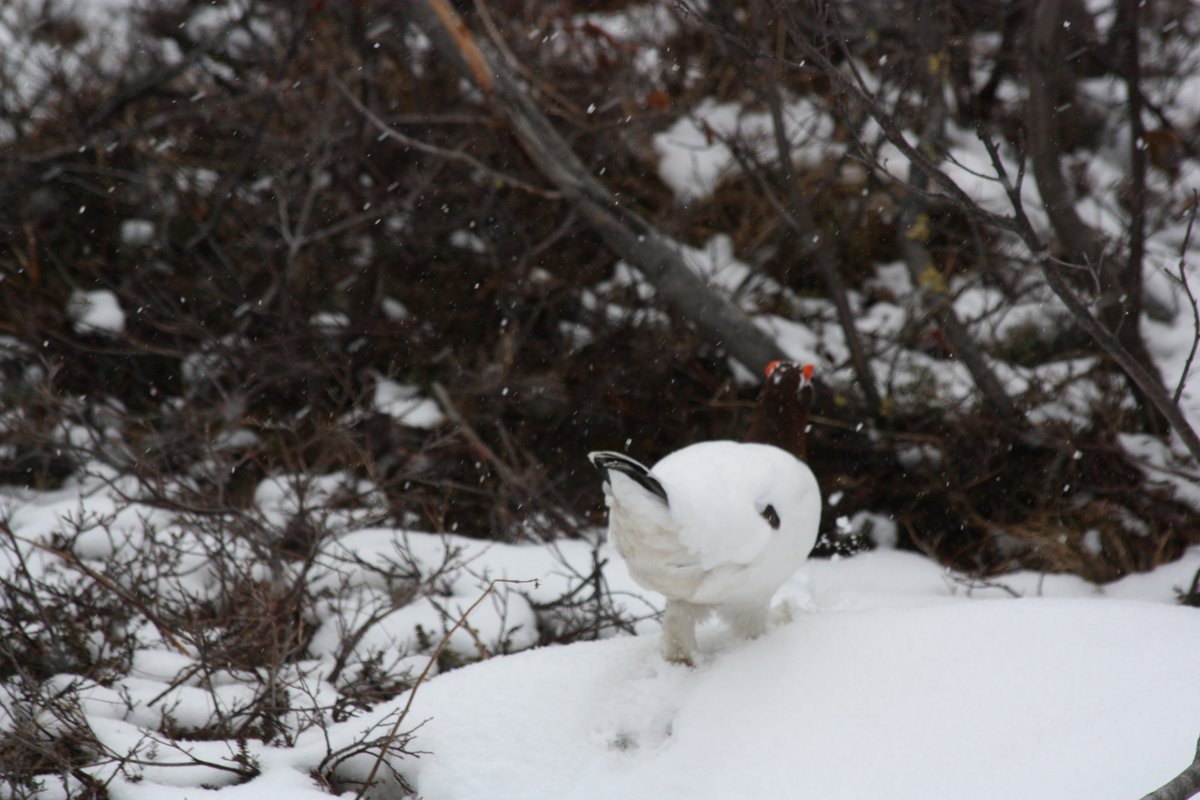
x=137, y=232
x=404, y=402
x=695, y=153
x=896, y=678
x=32, y=61
x=984, y=699
x=96, y=312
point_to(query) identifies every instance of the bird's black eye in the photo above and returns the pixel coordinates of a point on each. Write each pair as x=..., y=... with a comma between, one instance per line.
x=771, y=516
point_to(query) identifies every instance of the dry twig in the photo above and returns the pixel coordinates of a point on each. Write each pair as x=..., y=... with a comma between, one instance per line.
x=394, y=731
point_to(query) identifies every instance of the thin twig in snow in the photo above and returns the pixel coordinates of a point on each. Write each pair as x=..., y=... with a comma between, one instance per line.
x=108, y=583
x=394, y=731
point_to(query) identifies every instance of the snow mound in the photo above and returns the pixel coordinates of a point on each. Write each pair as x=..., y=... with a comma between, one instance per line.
x=405, y=403
x=987, y=699
x=896, y=679
x=96, y=312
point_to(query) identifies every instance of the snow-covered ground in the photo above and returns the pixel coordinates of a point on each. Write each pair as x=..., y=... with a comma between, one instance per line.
x=896, y=678
x=905, y=696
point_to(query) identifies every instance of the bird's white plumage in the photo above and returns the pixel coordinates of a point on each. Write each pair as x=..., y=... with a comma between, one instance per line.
x=719, y=490
x=709, y=546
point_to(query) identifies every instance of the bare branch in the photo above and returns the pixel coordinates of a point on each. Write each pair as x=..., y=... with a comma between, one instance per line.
x=1138, y=366
x=1187, y=288
x=822, y=255
x=1047, y=83
x=859, y=91
x=1131, y=283
x=108, y=583
x=643, y=245
x=1152, y=388
x=1051, y=91
x=916, y=255
x=1182, y=786
x=441, y=152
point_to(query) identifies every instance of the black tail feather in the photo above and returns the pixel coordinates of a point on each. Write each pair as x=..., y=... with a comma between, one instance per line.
x=606, y=460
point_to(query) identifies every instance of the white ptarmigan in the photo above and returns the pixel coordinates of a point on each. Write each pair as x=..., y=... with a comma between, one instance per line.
x=721, y=525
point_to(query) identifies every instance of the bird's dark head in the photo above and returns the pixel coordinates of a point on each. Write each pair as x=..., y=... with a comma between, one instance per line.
x=788, y=374
x=781, y=413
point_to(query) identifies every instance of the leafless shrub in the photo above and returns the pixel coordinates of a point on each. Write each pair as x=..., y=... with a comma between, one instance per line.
x=325, y=211
x=294, y=205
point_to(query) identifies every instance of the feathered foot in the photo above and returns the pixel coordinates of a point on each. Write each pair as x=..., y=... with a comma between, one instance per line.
x=748, y=621
x=783, y=612
x=679, y=631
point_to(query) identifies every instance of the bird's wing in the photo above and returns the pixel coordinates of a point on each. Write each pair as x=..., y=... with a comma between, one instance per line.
x=645, y=532
x=642, y=526
x=720, y=496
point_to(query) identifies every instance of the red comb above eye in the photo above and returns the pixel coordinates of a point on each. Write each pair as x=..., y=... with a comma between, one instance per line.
x=770, y=368
x=807, y=369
